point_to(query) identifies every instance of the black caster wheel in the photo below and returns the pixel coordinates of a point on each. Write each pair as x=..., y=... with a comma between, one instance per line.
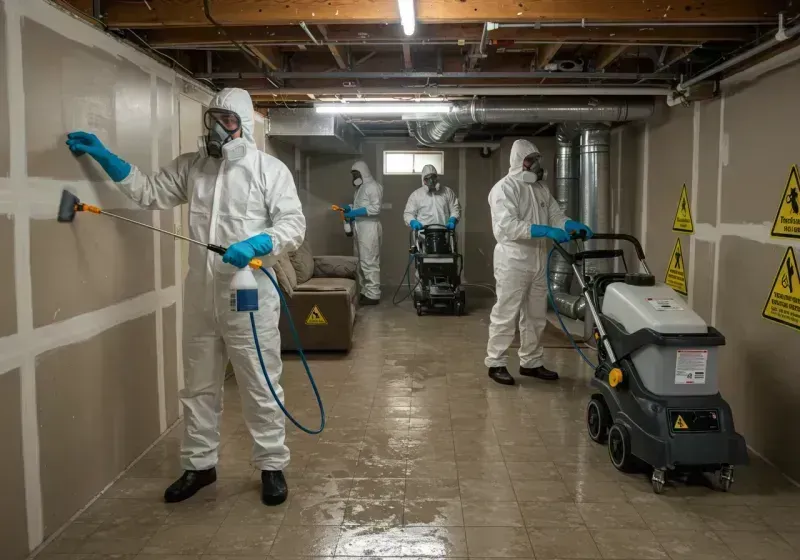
x=619, y=449
x=419, y=309
x=458, y=308
x=598, y=419
x=725, y=478
x=658, y=480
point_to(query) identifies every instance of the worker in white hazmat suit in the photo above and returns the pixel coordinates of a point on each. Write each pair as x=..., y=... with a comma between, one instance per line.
x=364, y=214
x=524, y=216
x=432, y=203
x=243, y=199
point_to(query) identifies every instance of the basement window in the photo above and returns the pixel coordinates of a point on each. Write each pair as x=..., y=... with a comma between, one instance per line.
x=411, y=163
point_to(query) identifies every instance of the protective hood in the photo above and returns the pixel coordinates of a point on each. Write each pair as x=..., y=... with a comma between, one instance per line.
x=238, y=101
x=362, y=168
x=519, y=151
x=427, y=170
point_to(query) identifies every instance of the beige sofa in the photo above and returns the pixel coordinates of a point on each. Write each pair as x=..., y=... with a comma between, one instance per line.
x=322, y=294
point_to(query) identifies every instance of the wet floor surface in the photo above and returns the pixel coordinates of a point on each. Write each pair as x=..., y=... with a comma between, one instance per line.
x=423, y=456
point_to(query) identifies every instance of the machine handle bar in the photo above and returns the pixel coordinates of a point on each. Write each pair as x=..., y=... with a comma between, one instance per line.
x=623, y=237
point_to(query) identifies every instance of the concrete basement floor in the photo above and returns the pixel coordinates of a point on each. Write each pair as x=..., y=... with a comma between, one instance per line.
x=424, y=456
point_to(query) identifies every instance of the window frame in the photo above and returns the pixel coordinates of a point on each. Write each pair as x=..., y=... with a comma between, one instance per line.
x=414, y=153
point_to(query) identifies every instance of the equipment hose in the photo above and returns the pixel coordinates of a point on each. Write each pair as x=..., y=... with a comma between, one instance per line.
x=296, y=336
x=558, y=315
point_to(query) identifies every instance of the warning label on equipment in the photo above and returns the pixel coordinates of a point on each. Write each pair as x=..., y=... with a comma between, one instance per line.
x=787, y=219
x=315, y=317
x=683, y=215
x=676, y=271
x=783, y=304
x=680, y=424
x=690, y=367
x=664, y=304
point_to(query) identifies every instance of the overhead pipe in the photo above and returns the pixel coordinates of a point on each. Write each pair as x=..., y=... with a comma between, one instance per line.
x=524, y=110
x=469, y=91
x=566, y=194
x=641, y=24
x=412, y=131
x=356, y=75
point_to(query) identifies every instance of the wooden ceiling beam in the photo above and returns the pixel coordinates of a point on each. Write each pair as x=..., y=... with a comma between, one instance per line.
x=608, y=54
x=270, y=56
x=408, y=63
x=545, y=54
x=265, y=12
x=337, y=56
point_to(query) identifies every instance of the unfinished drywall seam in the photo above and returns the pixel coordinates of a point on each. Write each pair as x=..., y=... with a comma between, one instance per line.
x=462, y=198
x=156, y=217
x=22, y=268
x=645, y=185
x=178, y=261
x=715, y=278
x=693, y=196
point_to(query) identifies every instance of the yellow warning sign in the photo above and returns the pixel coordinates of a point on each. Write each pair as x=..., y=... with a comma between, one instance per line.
x=683, y=215
x=783, y=305
x=316, y=317
x=787, y=219
x=680, y=423
x=676, y=271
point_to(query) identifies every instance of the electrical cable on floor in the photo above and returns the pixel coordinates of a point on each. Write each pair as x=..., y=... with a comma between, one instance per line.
x=296, y=336
x=558, y=315
x=406, y=276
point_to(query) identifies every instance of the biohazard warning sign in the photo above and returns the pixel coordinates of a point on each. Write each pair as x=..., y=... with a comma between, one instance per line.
x=787, y=219
x=683, y=215
x=680, y=424
x=316, y=318
x=783, y=304
x=676, y=271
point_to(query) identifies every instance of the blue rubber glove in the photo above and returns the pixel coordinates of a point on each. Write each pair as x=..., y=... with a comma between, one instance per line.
x=415, y=225
x=451, y=223
x=240, y=254
x=346, y=208
x=572, y=225
x=557, y=235
x=357, y=213
x=86, y=143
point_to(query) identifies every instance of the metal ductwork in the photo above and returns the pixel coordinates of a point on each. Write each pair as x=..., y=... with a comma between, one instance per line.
x=595, y=187
x=524, y=110
x=313, y=132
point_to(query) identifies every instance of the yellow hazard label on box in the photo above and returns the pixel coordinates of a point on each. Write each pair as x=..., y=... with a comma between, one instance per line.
x=315, y=317
x=680, y=424
x=787, y=218
x=676, y=271
x=683, y=215
x=783, y=304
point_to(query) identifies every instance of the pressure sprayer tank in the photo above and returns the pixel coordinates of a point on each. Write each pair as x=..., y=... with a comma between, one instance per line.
x=436, y=242
x=244, y=291
x=664, y=370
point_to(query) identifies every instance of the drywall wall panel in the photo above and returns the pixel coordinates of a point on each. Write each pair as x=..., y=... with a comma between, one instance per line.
x=68, y=87
x=167, y=250
x=761, y=124
x=628, y=157
x=168, y=319
x=4, y=138
x=13, y=521
x=708, y=162
x=670, y=167
x=330, y=183
x=8, y=297
x=166, y=107
x=99, y=261
x=479, y=239
x=191, y=123
x=757, y=369
x=703, y=288
x=98, y=410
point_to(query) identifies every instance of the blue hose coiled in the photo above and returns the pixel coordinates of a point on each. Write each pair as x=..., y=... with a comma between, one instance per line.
x=291, y=418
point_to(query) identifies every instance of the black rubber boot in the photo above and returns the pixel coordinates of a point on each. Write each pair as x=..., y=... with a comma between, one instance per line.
x=364, y=300
x=274, y=490
x=189, y=484
x=501, y=375
x=540, y=372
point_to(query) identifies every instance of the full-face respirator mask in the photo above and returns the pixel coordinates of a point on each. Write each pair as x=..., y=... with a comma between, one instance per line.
x=532, y=168
x=357, y=179
x=222, y=125
x=432, y=182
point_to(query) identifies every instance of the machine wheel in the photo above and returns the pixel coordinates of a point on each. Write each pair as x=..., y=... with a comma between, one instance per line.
x=658, y=480
x=458, y=307
x=619, y=448
x=725, y=478
x=598, y=419
x=419, y=308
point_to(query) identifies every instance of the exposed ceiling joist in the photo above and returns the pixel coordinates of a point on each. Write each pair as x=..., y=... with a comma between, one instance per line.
x=408, y=63
x=270, y=56
x=337, y=56
x=608, y=54
x=264, y=12
x=545, y=54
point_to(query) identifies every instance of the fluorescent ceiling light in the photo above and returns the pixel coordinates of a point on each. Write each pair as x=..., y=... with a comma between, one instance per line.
x=407, y=16
x=383, y=108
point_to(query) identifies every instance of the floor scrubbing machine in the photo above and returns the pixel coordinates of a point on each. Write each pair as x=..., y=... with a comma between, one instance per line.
x=657, y=398
x=438, y=264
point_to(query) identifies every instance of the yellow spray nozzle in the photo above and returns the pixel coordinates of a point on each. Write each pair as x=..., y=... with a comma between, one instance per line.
x=83, y=207
x=337, y=208
x=255, y=264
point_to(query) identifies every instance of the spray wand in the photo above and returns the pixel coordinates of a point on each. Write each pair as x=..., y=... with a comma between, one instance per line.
x=348, y=228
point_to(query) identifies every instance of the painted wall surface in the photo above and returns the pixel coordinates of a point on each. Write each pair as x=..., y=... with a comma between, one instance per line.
x=91, y=311
x=734, y=154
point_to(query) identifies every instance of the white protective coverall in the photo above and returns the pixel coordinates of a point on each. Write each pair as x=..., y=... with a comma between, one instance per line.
x=520, y=262
x=368, y=232
x=229, y=200
x=431, y=208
